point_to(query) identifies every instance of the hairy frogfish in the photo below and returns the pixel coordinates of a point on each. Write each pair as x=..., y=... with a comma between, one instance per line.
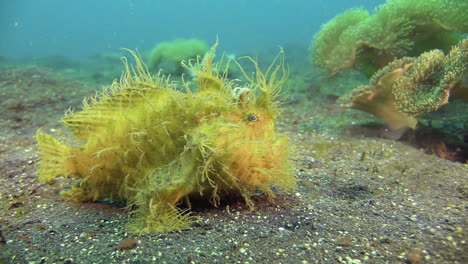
x=152, y=144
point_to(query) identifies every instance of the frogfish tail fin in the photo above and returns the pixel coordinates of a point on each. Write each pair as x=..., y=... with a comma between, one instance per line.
x=55, y=157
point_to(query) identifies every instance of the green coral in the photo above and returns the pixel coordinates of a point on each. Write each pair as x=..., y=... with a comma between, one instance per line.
x=409, y=87
x=431, y=80
x=169, y=55
x=396, y=29
x=336, y=40
x=377, y=97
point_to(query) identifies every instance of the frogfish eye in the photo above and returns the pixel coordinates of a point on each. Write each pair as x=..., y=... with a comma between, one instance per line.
x=252, y=118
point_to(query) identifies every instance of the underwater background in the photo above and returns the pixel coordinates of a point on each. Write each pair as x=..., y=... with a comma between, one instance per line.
x=80, y=29
x=373, y=105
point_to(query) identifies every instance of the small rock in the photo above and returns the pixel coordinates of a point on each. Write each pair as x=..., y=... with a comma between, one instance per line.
x=127, y=244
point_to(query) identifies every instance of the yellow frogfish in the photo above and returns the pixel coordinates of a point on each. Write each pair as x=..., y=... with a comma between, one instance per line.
x=146, y=142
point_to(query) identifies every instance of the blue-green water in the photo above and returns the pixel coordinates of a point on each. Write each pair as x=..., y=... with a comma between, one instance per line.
x=30, y=28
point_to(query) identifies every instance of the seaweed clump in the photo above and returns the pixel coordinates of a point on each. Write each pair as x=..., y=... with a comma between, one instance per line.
x=396, y=29
x=431, y=80
x=409, y=87
x=168, y=55
x=144, y=142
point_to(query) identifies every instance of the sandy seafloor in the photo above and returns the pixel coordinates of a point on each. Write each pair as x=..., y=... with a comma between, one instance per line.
x=361, y=196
